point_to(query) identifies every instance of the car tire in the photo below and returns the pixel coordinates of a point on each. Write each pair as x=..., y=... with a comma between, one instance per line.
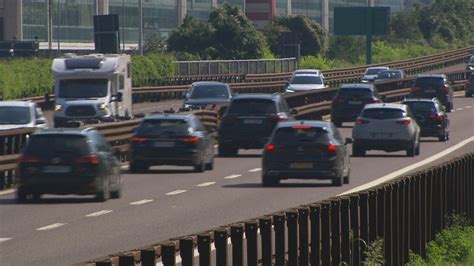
x=268, y=181
x=357, y=151
x=210, y=165
x=443, y=137
x=337, y=181
x=417, y=149
x=138, y=168
x=201, y=167
x=412, y=150
x=117, y=193
x=21, y=195
x=347, y=177
x=227, y=151
x=104, y=193
x=36, y=197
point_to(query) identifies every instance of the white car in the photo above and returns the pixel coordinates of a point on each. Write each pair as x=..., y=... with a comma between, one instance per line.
x=305, y=82
x=371, y=73
x=21, y=114
x=388, y=127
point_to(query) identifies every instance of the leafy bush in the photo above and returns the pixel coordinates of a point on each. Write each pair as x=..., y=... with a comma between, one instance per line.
x=374, y=253
x=151, y=70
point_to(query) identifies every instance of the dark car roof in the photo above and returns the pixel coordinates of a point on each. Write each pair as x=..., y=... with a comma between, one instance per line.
x=431, y=76
x=200, y=83
x=357, y=85
x=257, y=96
x=168, y=116
x=64, y=131
x=312, y=123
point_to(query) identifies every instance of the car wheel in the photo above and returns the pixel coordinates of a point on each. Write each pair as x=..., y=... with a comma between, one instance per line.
x=443, y=137
x=201, y=167
x=417, y=149
x=210, y=165
x=138, y=168
x=347, y=177
x=227, y=151
x=411, y=150
x=21, y=195
x=337, y=181
x=117, y=193
x=104, y=193
x=36, y=197
x=268, y=181
x=357, y=150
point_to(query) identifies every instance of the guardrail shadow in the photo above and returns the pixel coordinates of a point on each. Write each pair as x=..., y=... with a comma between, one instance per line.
x=65, y=200
x=281, y=185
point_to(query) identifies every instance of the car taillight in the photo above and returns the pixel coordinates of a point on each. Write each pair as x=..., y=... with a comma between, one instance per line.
x=361, y=121
x=436, y=117
x=89, y=159
x=270, y=147
x=28, y=159
x=137, y=139
x=278, y=117
x=189, y=140
x=332, y=148
x=372, y=100
x=405, y=121
x=444, y=90
x=415, y=88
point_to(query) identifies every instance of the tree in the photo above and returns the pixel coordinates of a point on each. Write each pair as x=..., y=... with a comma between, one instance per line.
x=193, y=37
x=154, y=44
x=346, y=48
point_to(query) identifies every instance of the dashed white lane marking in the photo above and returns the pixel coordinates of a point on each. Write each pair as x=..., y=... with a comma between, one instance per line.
x=409, y=168
x=459, y=109
x=49, y=227
x=468, y=107
x=255, y=170
x=232, y=176
x=99, y=213
x=8, y=191
x=3, y=239
x=176, y=192
x=206, y=184
x=140, y=202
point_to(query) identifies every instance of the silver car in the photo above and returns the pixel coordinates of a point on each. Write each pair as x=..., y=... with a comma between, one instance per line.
x=371, y=73
x=388, y=127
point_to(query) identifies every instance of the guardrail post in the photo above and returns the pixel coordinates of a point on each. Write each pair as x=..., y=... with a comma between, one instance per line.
x=303, y=213
x=292, y=224
x=251, y=236
x=279, y=227
x=345, y=231
x=364, y=220
x=236, y=236
x=335, y=232
x=220, y=241
x=265, y=225
x=415, y=229
x=430, y=233
x=403, y=222
x=168, y=254
x=204, y=249
x=148, y=257
x=423, y=218
x=388, y=237
x=381, y=212
x=326, y=233
x=373, y=213
x=315, y=216
x=126, y=260
x=355, y=245
x=395, y=224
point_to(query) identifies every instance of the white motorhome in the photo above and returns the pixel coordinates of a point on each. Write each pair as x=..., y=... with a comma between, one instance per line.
x=92, y=86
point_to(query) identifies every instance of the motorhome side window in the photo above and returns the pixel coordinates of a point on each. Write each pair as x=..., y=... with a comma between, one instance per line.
x=83, y=88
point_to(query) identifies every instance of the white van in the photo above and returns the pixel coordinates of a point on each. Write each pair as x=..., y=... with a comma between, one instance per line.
x=92, y=87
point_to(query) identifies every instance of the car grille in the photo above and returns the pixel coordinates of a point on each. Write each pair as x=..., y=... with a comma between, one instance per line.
x=80, y=110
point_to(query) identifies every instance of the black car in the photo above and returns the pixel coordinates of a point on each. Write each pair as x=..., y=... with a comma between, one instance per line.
x=68, y=161
x=391, y=74
x=350, y=100
x=171, y=139
x=205, y=93
x=306, y=150
x=469, y=86
x=430, y=116
x=470, y=64
x=249, y=122
x=433, y=85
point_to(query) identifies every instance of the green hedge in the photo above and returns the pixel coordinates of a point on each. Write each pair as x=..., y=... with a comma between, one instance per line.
x=21, y=78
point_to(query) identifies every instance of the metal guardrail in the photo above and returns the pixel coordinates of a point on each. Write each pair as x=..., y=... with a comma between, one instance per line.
x=406, y=213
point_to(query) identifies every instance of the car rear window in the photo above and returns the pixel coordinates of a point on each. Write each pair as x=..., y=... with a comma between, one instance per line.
x=389, y=75
x=382, y=113
x=373, y=71
x=209, y=91
x=301, y=134
x=429, y=81
x=57, y=144
x=252, y=106
x=306, y=80
x=157, y=127
x=350, y=93
x=421, y=107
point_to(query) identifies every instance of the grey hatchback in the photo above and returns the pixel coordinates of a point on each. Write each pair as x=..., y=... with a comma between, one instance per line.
x=306, y=150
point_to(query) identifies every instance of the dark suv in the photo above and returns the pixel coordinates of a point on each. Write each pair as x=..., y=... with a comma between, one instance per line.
x=68, y=161
x=433, y=85
x=204, y=93
x=430, y=116
x=306, y=150
x=249, y=122
x=171, y=139
x=350, y=100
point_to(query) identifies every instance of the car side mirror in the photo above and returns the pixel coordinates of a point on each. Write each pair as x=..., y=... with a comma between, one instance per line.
x=293, y=111
x=349, y=141
x=40, y=121
x=117, y=97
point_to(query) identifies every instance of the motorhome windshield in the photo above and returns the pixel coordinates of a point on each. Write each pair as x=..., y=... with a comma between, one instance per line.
x=83, y=88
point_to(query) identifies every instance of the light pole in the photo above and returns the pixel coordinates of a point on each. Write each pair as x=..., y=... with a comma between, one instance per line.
x=59, y=34
x=140, y=34
x=123, y=25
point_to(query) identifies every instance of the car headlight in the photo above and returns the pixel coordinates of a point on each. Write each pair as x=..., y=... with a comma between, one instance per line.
x=58, y=107
x=103, y=106
x=187, y=106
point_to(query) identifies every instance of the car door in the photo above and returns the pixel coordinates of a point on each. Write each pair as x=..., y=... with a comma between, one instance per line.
x=345, y=152
x=207, y=141
x=104, y=152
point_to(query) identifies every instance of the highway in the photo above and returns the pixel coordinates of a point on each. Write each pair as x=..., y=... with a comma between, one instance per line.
x=173, y=201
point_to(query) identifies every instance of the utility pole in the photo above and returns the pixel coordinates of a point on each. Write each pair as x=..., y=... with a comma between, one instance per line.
x=49, y=7
x=59, y=29
x=140, y=35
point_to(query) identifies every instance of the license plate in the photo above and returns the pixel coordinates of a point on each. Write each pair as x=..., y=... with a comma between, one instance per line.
x=381, y=135
x=301, y=165
x=163, y=144
x=430, y=91
x=58, y=169
x=355, y=102
x=253, y=121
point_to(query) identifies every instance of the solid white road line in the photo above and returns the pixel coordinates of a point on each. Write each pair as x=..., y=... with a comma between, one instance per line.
x=205, y=184
x=3, y=239
x=140, y=202
x=459, y=109
x=255, y=170
x=409, y=168
x=99, y=213
x=49, y=227
x=176, y=192
x=232, y=176
x=5, y=192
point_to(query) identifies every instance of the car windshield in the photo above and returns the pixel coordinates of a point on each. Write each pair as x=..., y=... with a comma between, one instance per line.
x=350, y=93
x=159, y=127
x=389, y=75
x=83, y=88
x=383, y=113
x=299, y=134
x=14, y=115
x=306, y=80
x=421, y=107
x=252, y=106
x=429, y=81
x=209, y=91
x=57, y=144
x=373, y=71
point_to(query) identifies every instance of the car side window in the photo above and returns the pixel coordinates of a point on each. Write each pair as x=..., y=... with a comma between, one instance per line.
x=100, y=142
x=283, y=106
x=336, y=134
x=38, y=113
